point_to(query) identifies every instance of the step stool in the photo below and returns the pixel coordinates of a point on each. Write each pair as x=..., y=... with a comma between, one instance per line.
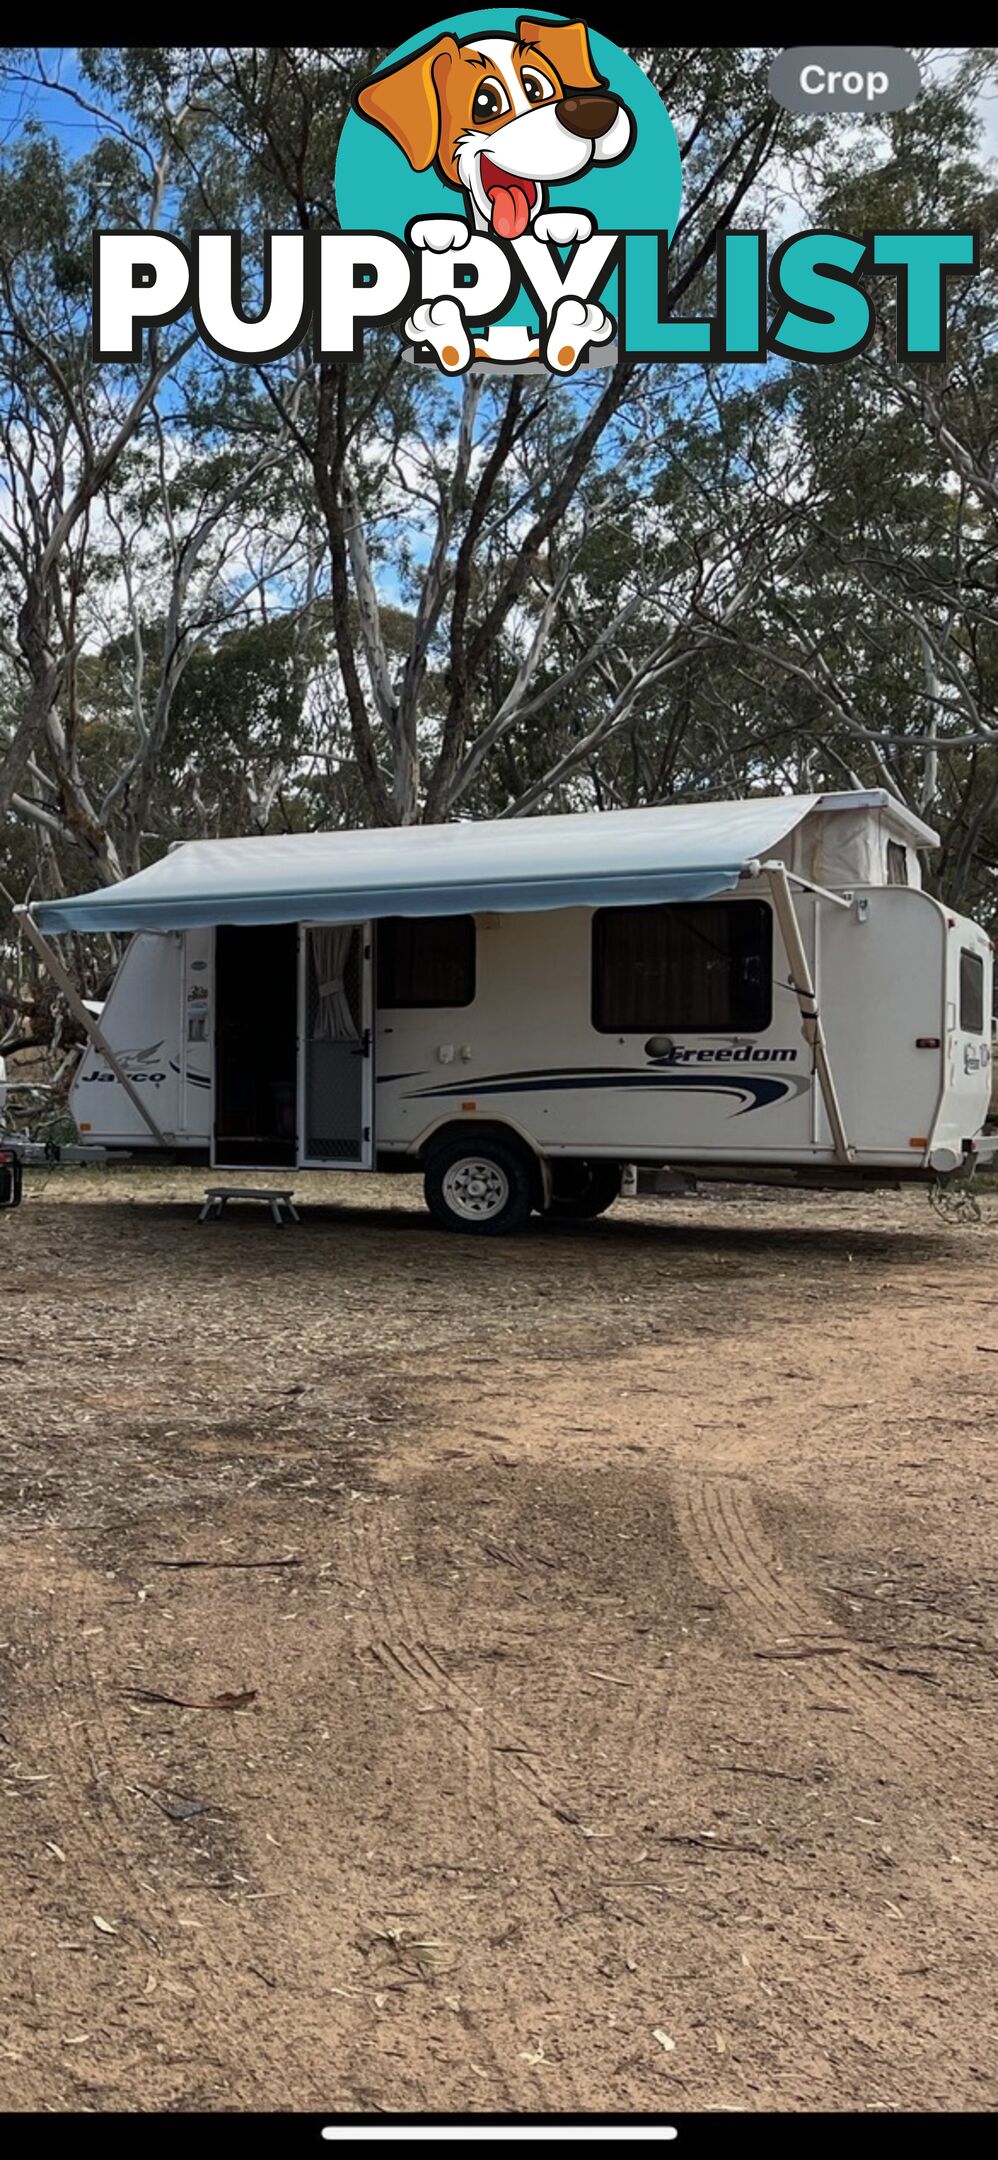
x=217, y=1197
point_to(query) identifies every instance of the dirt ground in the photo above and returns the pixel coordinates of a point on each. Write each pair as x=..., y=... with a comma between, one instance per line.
x=614, y=1606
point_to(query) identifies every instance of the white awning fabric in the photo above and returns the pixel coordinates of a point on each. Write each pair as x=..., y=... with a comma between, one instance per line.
x=614, y=858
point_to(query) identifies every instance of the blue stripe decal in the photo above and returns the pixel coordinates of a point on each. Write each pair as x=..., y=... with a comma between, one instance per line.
x=755, y=1092
x=195, y=1079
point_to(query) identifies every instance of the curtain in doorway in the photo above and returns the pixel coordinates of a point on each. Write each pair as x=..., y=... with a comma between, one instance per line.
x=331, y=955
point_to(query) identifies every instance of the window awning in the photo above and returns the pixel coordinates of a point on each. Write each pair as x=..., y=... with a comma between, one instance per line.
x=614, y=858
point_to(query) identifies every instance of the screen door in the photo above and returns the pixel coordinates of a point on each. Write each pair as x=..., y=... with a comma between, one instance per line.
x=335, y=1123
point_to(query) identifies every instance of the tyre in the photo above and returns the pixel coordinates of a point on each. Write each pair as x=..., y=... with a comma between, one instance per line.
x=583, y=1190
x=10, y=1179
x=483, y=1187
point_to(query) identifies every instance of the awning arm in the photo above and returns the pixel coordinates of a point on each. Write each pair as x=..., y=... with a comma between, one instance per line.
x=802, y=984
x=91, y=1027
x=808, y=885
x=755, y=868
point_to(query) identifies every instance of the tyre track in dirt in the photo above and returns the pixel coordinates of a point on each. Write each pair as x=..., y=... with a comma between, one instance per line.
x=506, y=1790
x=583, y=1572
x=511, y=1789
x=727, y=1544
x=393, y=1634
x=716, y=1516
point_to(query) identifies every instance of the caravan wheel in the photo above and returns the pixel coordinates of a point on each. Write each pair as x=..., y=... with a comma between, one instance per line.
x=583, y=1190
x=482, y=1188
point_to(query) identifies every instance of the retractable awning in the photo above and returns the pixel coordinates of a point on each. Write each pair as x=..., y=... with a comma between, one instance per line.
x=684, y=851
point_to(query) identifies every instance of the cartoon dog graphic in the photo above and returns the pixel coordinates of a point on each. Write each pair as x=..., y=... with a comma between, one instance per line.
x=503, y=119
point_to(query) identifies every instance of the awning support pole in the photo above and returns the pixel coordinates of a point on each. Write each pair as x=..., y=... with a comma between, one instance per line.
x=802, y=984
x=91, y=1027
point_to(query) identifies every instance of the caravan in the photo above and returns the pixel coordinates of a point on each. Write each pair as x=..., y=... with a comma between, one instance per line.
x=526, y=1011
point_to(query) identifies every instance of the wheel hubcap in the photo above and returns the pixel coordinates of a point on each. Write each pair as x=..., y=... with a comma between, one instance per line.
x=475, y=1189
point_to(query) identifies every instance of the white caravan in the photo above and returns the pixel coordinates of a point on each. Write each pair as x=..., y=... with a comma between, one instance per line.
x=523, y=1010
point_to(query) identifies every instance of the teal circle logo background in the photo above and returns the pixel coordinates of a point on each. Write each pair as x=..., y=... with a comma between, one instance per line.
x=377, y=190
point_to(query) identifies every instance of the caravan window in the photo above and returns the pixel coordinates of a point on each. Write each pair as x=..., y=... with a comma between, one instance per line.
x=971, y=992
x=426, y=960
x=703, y=969
x=897, y=863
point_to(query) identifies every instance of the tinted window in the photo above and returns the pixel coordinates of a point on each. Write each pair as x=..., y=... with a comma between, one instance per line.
x=426, y=960
x=897, y=863
x=703, y=969
x=971, y=993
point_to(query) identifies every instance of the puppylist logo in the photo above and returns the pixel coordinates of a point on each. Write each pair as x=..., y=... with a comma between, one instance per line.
x=514, y=153
x=507, y=189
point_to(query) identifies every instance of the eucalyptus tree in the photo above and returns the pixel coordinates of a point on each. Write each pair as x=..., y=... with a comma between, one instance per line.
x=64, y=424
x=471, y=508
x=874, y=630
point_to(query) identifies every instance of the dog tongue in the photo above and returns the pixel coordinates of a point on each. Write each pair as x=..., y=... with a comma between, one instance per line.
x=510, y=211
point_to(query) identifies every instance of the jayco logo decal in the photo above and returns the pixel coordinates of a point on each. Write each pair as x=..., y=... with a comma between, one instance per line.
x=507, y=188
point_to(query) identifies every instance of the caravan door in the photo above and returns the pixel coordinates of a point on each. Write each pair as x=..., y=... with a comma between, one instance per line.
x=255, y=1033
x=335, y=1064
